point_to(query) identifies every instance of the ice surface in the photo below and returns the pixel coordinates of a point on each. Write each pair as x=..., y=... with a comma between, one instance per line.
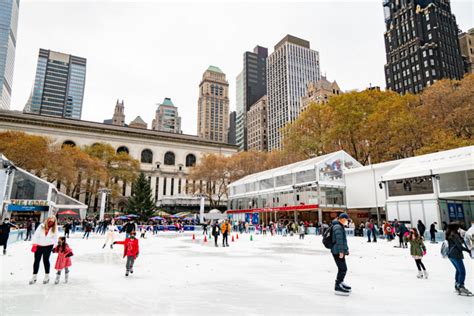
x=269, y=275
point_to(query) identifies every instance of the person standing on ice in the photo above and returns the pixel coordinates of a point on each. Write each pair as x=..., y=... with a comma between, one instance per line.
x=433, y=232
x=302, y=230
x=204, y=228
x=339, y=252
x=5, y=233
x=417, y=251
x=63, y=261
x=421, y=228
x=131, y=250
x=225, y=228
x=109, y=237
x=455, y=255
x=45, y=238
x=215, y=232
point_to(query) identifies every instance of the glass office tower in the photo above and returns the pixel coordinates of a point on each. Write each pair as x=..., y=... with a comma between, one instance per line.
x=8, y=31
x=59, y=85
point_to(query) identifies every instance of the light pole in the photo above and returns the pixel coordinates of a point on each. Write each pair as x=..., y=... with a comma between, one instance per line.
x=104, y=192
x=8, y=167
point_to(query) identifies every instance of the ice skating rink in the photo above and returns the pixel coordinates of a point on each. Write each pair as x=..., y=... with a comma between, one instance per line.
x=269, y=275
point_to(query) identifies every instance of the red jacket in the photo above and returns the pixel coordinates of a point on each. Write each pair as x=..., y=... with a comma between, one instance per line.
x=130, y=247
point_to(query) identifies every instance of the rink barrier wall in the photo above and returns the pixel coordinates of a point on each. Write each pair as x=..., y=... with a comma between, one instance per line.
x=16, y=235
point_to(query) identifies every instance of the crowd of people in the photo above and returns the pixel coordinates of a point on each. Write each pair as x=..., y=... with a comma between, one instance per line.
x=46, y=239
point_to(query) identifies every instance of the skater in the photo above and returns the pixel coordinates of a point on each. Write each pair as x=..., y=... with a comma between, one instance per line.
x=5, y=233
x=109, y=237
x=129, y=228
x=417, y=251
x=67, y=229
x=421, y=228
x=143, y=232
x=131, y=250
x=402, y=231
x=87, y=230
x=64, y=259
x=215, y=232
x=204, y=228
x=225, y=228
x=29, y=229
x=469, y=238
x=455, y=255
x=302, y=230
x=45, y=238
x=339, y=251
x=433, y=232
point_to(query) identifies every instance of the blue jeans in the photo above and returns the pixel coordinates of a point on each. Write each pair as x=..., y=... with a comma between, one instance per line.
x=368, y=234
x=460, y=270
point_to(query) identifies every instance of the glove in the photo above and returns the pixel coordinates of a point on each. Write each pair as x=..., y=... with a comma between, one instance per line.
x=34, y=247
x=137, y=255
x=424, y=252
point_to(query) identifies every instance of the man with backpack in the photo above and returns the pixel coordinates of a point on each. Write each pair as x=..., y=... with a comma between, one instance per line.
x=335, y=239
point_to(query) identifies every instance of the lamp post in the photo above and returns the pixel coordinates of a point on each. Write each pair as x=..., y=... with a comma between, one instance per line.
x=8, y=168
x=104, y=192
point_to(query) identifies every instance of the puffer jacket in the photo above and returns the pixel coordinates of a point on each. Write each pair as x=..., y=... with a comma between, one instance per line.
x=456, y=246
x=339, y=239
x=417, y=247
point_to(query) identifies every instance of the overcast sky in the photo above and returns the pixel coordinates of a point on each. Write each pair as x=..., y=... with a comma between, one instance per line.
x=144, y=51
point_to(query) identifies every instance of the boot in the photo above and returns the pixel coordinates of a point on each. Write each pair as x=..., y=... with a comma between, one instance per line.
x=425, y=274
x=57, y=279
x=103, y=246
x=420, y=275
x=4, y=251
x=463, y=291
x=33, y=279
x=339, y=290
x=46, y=279
x=126, y=273
x=345, y=286
x=66, y=277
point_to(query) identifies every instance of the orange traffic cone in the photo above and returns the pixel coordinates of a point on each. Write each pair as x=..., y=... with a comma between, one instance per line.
x=205, y=238
x=237, y=236
x=194, y=237
x=232, y=238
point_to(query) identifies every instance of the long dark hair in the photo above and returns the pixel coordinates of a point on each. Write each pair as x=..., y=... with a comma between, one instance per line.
x=452, y=230
x=414, y=235
x=62, y=248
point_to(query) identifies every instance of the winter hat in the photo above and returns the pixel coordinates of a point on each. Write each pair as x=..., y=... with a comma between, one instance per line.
x=344, y=215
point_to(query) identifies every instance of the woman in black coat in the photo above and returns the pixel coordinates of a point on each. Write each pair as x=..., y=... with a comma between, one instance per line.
x=215, y=232
x=5, y=233
x=421, y=228
x=455, y=255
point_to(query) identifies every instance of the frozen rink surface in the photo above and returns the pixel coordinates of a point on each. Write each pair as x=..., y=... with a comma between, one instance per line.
x=269, y=275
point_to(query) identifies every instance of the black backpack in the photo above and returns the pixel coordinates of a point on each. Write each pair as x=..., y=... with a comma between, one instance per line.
x=327, y=238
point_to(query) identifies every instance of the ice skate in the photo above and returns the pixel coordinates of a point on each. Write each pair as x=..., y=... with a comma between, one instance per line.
x=4, y=251
x=425, y=274
x=33, y=279
x=126, y=273
x=57, y=279
x=339, y=290
x=346, y=287
x=111, y=246
x=46, y=279
x=463, y=291
x=66, y=278
x=420, y=275
x=103, y=246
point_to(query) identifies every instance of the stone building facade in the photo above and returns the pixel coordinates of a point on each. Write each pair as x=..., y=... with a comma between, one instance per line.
x=257, y=126
x=319, y=92
x=466, y=41
x=165, y=158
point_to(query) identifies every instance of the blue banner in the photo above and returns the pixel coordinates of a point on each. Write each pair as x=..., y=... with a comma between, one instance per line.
x=460, y=211
x=27, y=208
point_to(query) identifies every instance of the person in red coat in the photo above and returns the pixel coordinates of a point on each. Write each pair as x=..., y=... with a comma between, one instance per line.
x=64, y=259
x=131, y=250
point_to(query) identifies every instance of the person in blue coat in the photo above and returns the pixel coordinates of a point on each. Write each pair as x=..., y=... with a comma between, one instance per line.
x=339, y=251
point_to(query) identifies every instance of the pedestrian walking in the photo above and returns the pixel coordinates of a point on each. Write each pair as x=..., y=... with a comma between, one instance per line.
x=131, y=250
x=417, y=251
x=339, y=252
x=5, y=228
x=45, y=238
x=455, y=255
x=63, y=261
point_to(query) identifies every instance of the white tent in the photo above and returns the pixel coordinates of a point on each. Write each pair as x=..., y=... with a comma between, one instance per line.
x=215, y=214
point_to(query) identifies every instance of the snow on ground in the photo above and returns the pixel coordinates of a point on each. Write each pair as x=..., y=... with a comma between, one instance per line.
x=269, y=275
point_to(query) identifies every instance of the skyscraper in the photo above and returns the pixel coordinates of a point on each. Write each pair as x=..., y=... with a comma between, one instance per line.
x=421, y=44
x=8, y=30
x=257, y=126
x=213, y=106
x=59, y=85
x=251, y=86
x=167, y=118
x=231, y=131
x=290, y=68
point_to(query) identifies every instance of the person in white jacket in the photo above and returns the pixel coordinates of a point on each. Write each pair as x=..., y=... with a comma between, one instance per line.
x=109, y=237
x=44, y=240
x=469, y=238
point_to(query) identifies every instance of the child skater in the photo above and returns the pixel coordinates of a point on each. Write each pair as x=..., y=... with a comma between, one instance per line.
x=417, y=251
x=64, y=258
x=130, y=250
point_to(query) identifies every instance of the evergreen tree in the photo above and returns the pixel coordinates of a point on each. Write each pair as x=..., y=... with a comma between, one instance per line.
x=141, y=202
